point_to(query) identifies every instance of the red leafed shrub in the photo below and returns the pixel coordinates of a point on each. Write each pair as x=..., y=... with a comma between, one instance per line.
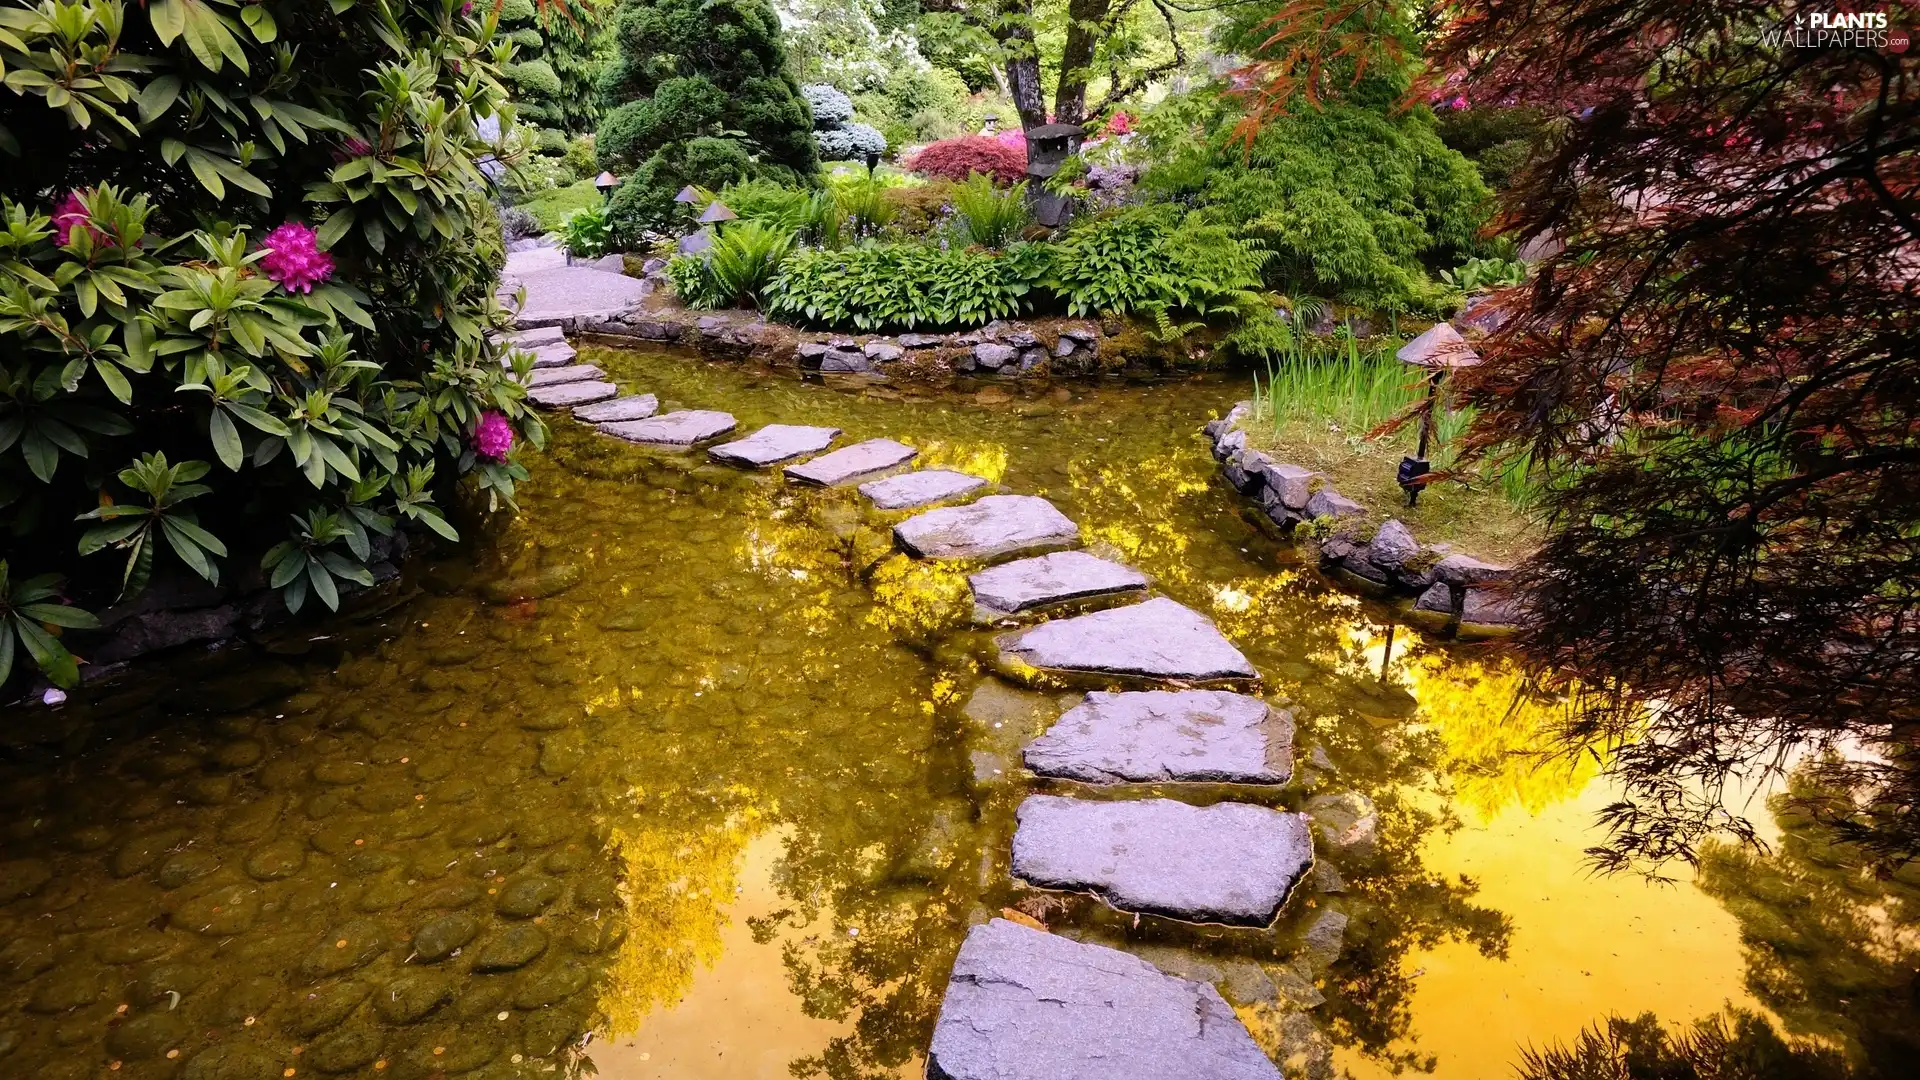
x=953, y=159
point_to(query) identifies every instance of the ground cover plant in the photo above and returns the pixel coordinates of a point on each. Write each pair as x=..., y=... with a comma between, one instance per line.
x=240, y=310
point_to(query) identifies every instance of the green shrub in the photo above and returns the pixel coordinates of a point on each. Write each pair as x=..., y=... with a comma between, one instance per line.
x=579, y=157
x=556, y=63
x=904, y=286
x=583, y=232
x=1155, y=261
x=864, y=205
x=193, y=370
x=988, y=215
x=1353, y=201
x=735, y=271
x=699, y=94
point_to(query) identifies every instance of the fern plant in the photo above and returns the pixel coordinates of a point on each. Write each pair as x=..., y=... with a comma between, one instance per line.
x=987, y=215
x=736, y=270
x=1152, y=259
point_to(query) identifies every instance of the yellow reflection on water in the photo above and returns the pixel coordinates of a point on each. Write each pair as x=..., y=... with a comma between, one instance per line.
x=677, y=883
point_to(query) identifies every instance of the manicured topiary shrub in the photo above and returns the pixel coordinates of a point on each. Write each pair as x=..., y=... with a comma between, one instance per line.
x=839, y=138
x=954, y=159
x=698, y=95
x=555, y=65
x=244, y=313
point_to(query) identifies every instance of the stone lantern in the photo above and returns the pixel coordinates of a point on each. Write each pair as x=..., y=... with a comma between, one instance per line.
x=1048, y=148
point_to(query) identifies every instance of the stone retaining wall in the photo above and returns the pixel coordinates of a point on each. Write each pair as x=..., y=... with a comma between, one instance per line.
x=1451, y=590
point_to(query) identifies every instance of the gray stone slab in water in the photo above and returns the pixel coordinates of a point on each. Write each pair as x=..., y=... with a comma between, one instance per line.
x=913, y=489
x=568, y=395
x=533, y=339
x=554, y=376
x=1157, y=639
x=1049, y=579
x=850, y=463
x=557, y=354
x=996, y=525
x=774, y=444
x=631, y=407
x=1150, y=736
x=1023, y=1004
x=1231, y=863
x=684, y=428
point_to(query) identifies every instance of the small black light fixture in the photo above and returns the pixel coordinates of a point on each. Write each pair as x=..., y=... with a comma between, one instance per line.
x=873, y=162
x=688, y=195
x=606, y=182
x=1440, y=350
x=716, y=212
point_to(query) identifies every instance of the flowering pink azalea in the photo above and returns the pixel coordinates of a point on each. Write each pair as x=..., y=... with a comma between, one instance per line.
x=1120, y=124
x=69, y=215
x=1458, y=102
x=493, y=436
x=294, y=260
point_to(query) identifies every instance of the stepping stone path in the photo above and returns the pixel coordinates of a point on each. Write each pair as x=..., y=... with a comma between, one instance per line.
x=774, y=444
x=1156, y=736
x=631, y=407
x=1157, y=639
x=567, y=395
x=996, y=525
x=908, y=490
x=554, y=376
x=850, y=463
x=687, y=427
x=1045, y=581
x=1231, y=863
x=1024, y=1004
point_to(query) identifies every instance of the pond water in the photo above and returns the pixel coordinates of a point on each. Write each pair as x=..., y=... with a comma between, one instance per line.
x=725, y=803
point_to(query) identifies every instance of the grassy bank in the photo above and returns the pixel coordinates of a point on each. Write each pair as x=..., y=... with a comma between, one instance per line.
x=1314, y=407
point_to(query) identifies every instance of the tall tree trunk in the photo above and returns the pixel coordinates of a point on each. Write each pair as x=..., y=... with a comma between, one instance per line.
x=1086, y=25
x=1023, y=63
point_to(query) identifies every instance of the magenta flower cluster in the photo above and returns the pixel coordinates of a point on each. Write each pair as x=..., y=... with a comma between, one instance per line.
x=293, y=258
x=493, y=436
x=71, y=214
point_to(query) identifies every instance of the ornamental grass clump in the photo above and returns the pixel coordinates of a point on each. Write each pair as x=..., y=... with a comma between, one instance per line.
x=254, y=317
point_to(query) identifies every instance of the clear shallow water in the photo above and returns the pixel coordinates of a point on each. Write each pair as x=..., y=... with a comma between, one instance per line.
x=726, y=806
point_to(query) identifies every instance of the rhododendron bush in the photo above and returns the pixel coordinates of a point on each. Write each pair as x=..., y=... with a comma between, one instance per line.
x=247, y=269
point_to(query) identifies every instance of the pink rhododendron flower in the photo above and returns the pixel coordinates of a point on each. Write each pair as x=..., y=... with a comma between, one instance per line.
x=1120, y=124
x=1458, y=102
x=493, y=436
x=69, y=215
x=294, y=260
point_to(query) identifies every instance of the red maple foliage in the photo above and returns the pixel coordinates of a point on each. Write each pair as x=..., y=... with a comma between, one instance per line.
x=955, y=159
x=1718, y=375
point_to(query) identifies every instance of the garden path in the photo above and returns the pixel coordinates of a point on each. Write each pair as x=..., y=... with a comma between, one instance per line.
x=1022, y=1003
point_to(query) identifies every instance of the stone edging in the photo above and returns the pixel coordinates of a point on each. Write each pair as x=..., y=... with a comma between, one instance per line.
x=1451, y=590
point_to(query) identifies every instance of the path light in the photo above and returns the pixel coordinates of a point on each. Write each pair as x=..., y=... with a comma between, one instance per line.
x=873, y=162
x=606, y=182
x=1439, y=350
x=688, y=195
x=715, y=213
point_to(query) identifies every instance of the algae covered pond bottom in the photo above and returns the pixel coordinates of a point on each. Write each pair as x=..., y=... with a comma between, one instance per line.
x=679, y=774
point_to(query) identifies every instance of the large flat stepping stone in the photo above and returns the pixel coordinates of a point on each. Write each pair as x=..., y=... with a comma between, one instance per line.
x=521, y=264
x=554, y=376
x=631, y=407
x=684, y=428
x=535, y=338
x=1231, y=863
x=572, y=292
x=568, y=395
x=558, y=354
x=908, y=490
x=1046, y=580
x=850, y=463
x=1158, y=639
x=1154, y=736
x=996, y=525
x=1023, y=1004
x=774, y=444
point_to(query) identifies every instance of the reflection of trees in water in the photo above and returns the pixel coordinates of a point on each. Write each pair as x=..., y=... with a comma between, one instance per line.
x=1494, y=734
x=1737, y=1046
x=1832, y=948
